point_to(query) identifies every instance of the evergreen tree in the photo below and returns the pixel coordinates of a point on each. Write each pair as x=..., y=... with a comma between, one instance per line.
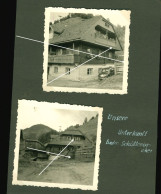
x=85, y=120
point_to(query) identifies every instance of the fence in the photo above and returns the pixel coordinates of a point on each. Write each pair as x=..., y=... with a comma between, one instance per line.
x=85, y=154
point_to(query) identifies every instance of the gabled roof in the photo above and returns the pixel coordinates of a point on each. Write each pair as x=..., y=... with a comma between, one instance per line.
x=72, y=132
x=76, y=28
x=76, y=132
x=72, y=28
x=59, y=141
x=64, y=143
x=36, y=141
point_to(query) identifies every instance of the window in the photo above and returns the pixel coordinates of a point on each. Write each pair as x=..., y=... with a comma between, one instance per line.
x=89, y=71
x=67, y=71
x=89, y=50
x=100, y=51
x=88, y=55
x=77, y=138
x=99, y=70
x=110, y=54
x=100, y=32
x=55, y=69
x=77, y=50
x=70, y=148
x=52, y=50
x=111, y=36
x=64, y=51
x=60, y=148
x=59, y=52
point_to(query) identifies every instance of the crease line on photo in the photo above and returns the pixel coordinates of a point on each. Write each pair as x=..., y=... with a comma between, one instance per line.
x=34, y=40
x=78, y=66
x=74, y=50
x=48, y=152
x=56, y=157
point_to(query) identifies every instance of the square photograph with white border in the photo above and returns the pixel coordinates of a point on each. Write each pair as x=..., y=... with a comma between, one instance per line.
x=57, y=145
x=86, y=50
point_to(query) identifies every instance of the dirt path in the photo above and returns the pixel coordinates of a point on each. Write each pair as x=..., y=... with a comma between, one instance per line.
x=113, y=82
x=80, y=173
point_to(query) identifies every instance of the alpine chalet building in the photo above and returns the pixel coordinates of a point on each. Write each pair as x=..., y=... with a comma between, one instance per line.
x=74, y=34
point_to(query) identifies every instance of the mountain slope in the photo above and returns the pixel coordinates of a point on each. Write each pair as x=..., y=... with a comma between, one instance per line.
x=89, y=128
x=36, y=131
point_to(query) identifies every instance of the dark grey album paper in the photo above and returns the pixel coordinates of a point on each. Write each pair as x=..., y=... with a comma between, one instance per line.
x=85, y=97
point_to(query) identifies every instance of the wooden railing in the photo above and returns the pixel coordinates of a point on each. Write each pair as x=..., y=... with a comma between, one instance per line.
x=61, y=58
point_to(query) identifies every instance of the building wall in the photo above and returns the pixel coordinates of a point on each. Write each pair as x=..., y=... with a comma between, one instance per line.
x=70, y=151
x=70, y=137
x=80, y=74
x=54, y=149
x=74, y=75
x=95, y=71
x=78, y=139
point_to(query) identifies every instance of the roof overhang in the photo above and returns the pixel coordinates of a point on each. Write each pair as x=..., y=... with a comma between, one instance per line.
x=62, y=42
x=83, y=40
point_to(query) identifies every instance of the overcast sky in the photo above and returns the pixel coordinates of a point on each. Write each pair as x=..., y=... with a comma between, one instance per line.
x=116, y=17
x=32, y=113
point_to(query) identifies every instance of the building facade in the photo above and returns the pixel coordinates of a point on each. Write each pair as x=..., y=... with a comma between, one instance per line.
x=81, y=147
x=57, y=144
x=75, y=41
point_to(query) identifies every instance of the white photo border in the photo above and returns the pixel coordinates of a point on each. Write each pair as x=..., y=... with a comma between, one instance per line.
x=126, y=14
x=93, y=187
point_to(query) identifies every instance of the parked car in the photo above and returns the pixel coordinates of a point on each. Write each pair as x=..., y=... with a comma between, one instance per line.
x=106, y=72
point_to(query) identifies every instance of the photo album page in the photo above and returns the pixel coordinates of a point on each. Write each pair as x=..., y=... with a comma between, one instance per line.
x=84, y=115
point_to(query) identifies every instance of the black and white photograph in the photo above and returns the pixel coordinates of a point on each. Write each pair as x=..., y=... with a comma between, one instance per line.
x=86, y=50
x=57, y=145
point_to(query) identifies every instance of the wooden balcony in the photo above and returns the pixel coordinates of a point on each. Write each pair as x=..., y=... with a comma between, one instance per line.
x=70, y=58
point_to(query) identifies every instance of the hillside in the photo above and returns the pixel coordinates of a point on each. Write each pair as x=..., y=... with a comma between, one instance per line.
x=89, y=128
x=42, y=133
x=37, y=131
